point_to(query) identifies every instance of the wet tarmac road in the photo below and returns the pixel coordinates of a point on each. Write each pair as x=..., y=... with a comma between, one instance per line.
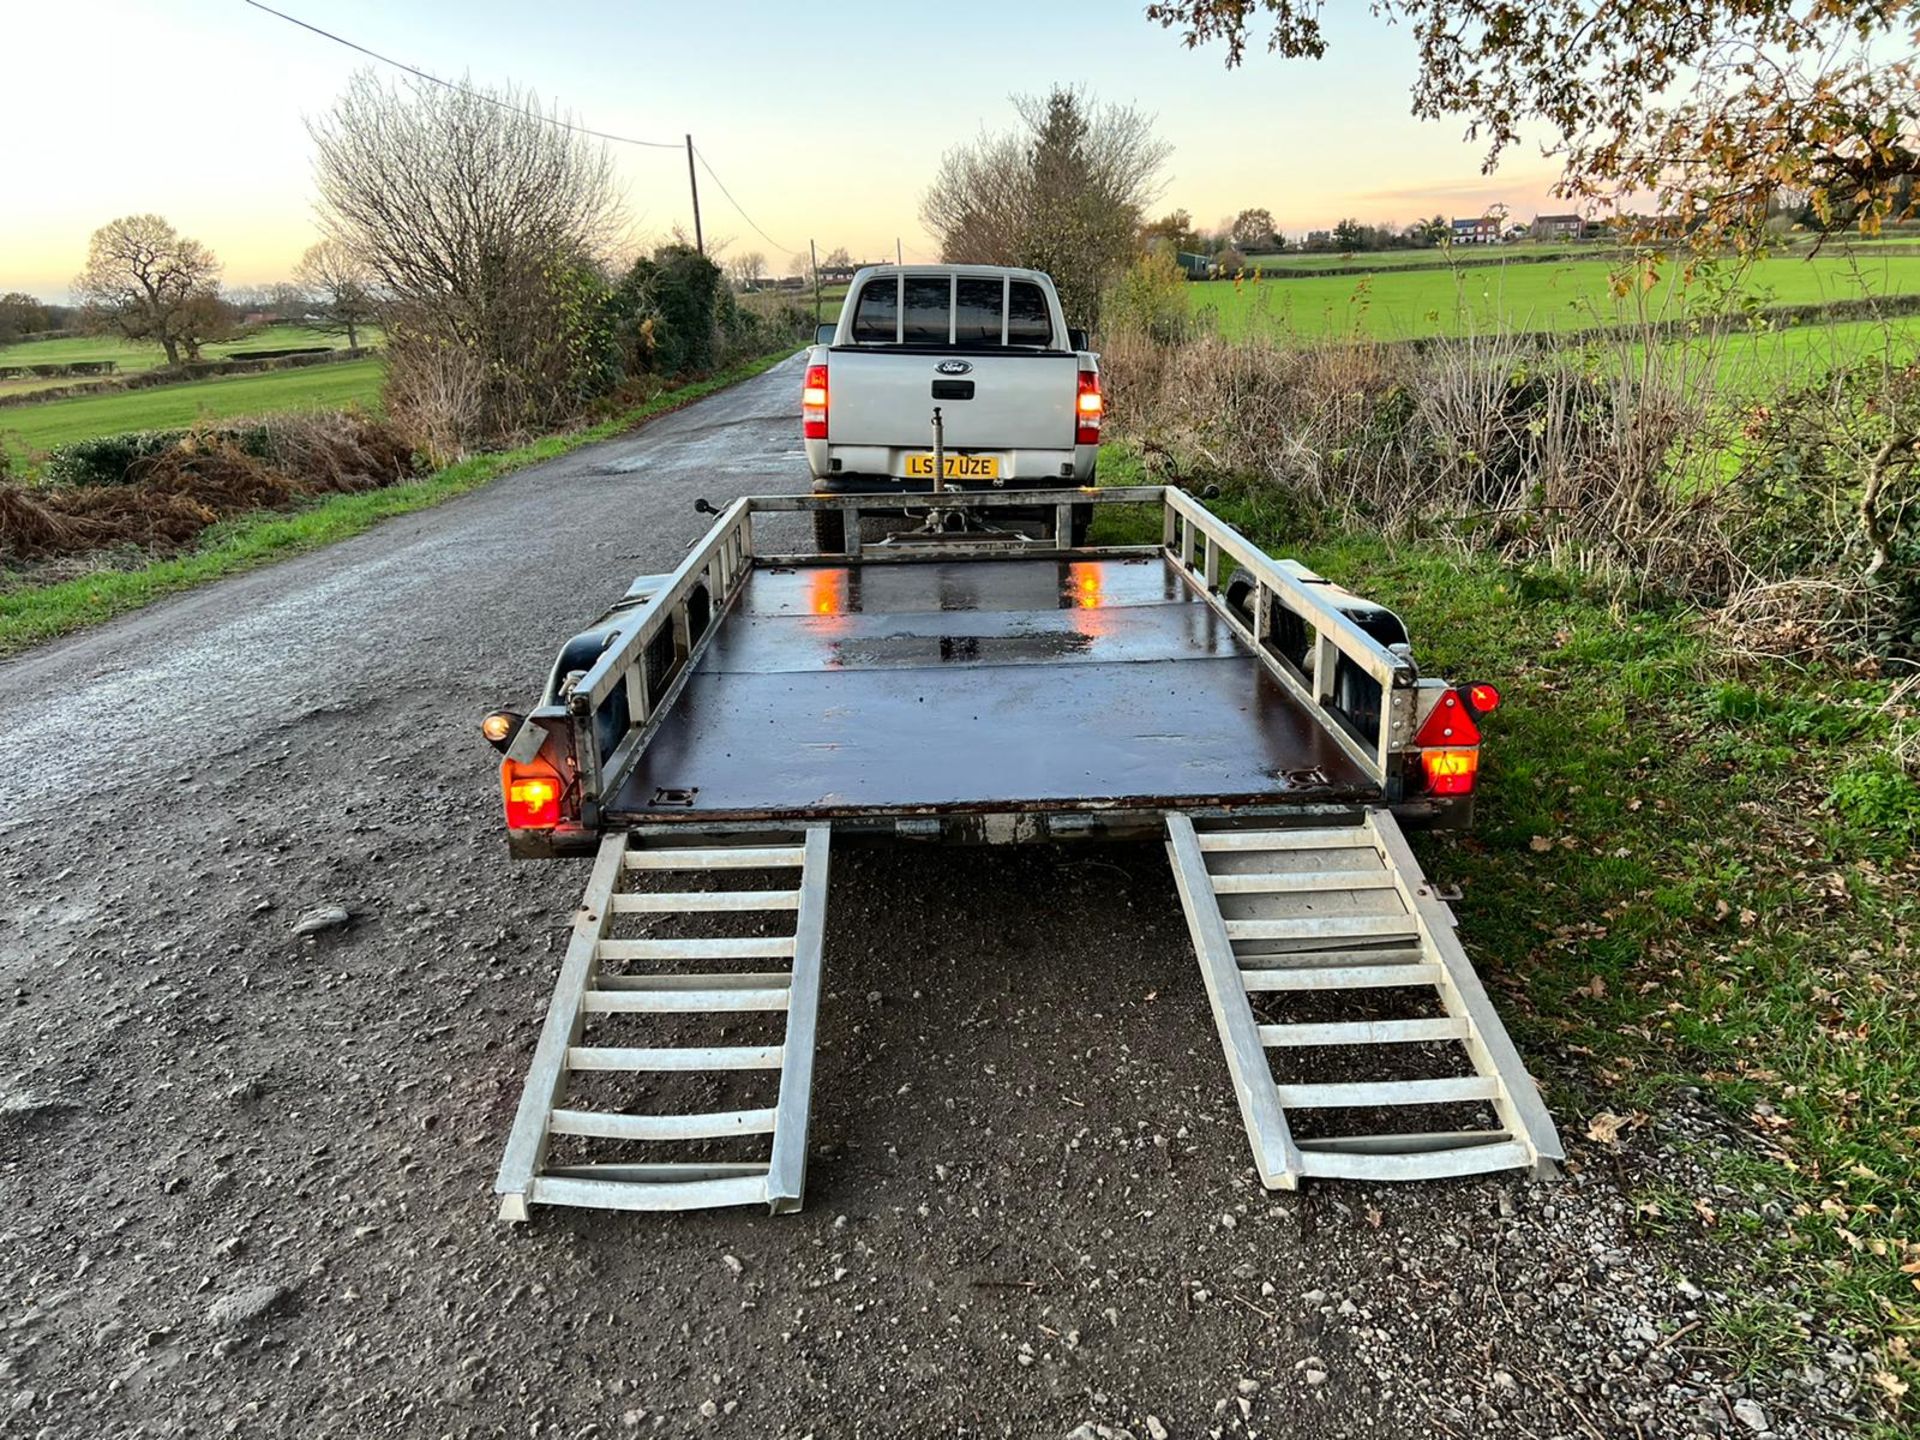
x=457, y=607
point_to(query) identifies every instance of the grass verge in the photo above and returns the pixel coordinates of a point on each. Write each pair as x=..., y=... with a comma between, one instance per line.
x=1683, y=878
x=37, y=613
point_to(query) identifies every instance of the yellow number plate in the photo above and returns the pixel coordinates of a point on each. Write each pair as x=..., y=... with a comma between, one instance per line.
x=959, y=467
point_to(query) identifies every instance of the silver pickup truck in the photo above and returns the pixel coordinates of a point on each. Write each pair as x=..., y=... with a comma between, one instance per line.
x=973, y=364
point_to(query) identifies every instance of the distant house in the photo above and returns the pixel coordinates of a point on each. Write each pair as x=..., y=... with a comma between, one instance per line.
x=838, y=274
x=1481, y=230
x=1558, y=227
x=1198, y=267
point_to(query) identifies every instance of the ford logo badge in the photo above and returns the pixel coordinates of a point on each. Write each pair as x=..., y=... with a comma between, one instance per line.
x=954, y=367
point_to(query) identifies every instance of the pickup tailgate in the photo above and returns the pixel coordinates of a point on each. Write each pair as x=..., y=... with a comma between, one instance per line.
x=1005, y=402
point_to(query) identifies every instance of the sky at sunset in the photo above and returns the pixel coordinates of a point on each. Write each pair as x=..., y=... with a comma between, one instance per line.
x=825, y=122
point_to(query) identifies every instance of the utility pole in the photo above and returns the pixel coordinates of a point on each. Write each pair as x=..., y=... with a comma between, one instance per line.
x=813, y=253
x=693, y=183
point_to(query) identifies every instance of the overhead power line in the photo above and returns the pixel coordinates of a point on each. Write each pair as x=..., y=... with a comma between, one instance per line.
x=540, y=114
x=714, y=175
x=464, y=89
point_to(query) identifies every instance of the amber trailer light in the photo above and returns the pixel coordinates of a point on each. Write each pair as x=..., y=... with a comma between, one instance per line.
x=1450, y=772
x=532, y=794
x=1090, y=409
x=500, y=727
x=813, y=404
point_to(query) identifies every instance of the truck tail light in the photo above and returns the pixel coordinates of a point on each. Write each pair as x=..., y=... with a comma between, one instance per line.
x=813, y=404
x=1450, y=772
x=1089, y=408
x=532, y=794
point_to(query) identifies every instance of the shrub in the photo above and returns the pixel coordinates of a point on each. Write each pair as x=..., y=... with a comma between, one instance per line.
x=670, y=304
x=1796, y=523
x=110, y=459
x=285, y=441
x=168, y=494
x=1882, y=803
x=1150, y=300
x=1476, y=436
x=433, y=392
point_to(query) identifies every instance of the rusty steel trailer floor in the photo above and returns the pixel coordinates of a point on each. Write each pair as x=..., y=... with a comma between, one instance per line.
x=979, y=685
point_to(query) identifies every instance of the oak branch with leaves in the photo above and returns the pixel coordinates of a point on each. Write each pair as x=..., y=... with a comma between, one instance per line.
x=1712, y=112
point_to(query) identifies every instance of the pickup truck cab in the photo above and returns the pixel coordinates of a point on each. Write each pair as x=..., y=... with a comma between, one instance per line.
x=988, y=348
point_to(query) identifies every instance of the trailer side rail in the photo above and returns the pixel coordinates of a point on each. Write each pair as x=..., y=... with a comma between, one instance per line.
x=645, y=665
x=1196, y=539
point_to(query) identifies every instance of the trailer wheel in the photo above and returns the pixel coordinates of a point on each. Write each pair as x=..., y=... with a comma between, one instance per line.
x=830, y=531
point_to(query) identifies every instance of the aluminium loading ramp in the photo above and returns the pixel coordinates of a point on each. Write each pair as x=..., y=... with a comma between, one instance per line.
x=666, y=986
x=1333, y=918
x=1338, y=923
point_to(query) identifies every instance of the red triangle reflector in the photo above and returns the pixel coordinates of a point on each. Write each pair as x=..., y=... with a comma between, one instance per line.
x=1451, y=723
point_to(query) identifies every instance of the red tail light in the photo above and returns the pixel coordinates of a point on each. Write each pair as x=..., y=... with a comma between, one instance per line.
x=1483, y=699
x=1451, y=723
x=1089, y=409
x=813, y=404
x=533, y=795
x=1450, y=772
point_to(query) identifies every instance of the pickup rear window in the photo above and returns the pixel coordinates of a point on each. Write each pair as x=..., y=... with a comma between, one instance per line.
x=972, y=309
x=877, y=316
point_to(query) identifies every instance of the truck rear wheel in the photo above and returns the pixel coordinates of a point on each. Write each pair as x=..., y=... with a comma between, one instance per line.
x=830, y=531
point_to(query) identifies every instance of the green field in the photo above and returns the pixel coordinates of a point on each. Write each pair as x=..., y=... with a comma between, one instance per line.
x=130, y=356
x=1745, y=362
x=1537, y=252
x=27, y=429
x=1364, y=262
x=1569, y=295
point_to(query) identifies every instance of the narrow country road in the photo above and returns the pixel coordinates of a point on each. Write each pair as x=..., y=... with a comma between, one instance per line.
x=246, y=1178
x=428, y=616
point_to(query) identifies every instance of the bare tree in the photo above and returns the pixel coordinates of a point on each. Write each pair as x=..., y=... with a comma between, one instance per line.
x=340, y=288
x=981, y=201
x=1065, y=193
x=479, y=220
x=743, y=270
x=146, y=281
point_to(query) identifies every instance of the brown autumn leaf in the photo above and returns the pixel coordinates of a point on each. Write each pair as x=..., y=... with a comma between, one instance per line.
x=1605, y=1127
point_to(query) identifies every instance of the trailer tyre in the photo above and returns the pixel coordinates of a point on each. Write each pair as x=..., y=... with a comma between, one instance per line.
x=1082, y=523
x=830, y=531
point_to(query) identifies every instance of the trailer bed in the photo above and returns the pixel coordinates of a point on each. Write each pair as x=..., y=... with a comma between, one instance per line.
x=832, y=691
